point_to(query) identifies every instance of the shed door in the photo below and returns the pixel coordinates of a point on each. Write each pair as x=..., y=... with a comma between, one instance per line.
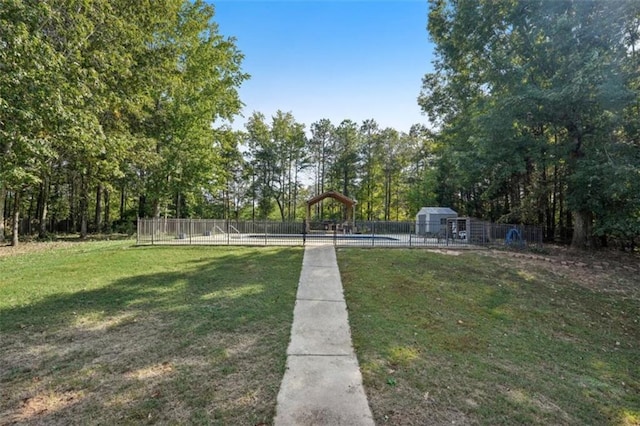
x=422, y=224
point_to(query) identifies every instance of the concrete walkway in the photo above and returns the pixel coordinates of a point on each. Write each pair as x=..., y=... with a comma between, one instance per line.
x=322, y=384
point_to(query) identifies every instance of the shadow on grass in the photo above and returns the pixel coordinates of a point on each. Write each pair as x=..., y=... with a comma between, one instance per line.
x=201, y=341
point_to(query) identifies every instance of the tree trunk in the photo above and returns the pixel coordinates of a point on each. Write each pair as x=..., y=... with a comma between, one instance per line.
x=107, y=211
x=156, y=210
x=84, y=207
x=97, y=219
x=142, y=201
x=322, y=179
x=280, y=208
x=387, y=196
x=3, y=197
x=295, y=192
x=84, y=219
x=226, y=202
x=40, y=202
x=3, y=192
x=288, y=201
x=16, y=219
x=554, y=205
x=72, y=205
x=43, y=209
x=253, y=197
x=582, y=224
x=53, y=220
x=345, y=184
x=29, y=230
x=122, y=201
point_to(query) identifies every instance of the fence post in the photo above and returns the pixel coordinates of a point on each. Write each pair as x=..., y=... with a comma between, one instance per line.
x=335, y=234
x=304, y=232
x=190, y=230
x=228, y=234
x=373, y=234
x=446, y=234
x=153, y=230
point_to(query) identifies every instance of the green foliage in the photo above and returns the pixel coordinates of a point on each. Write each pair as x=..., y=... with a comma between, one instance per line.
x=278, y=153
x=112, y=94
x=529, y=96
x=383, y=169
x=201, y=71
x=345, y=152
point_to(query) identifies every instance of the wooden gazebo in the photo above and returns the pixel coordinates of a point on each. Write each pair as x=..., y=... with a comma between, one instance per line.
x=348, y=202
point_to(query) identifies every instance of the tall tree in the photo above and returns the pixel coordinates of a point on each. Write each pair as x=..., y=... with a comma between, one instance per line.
x=278, y=154
x=322, y=137
x=265, y=165
x=31, y=93
x=421, y=171
x=345, y=166
x=371, y=151
x=202, y=74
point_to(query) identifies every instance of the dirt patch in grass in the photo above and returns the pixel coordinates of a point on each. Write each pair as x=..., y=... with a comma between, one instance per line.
x=604, y=271
x=32, y=247
x=66, y=241
x=39, y=404
x=137, y=372
x=172, y=336
x=495, y=337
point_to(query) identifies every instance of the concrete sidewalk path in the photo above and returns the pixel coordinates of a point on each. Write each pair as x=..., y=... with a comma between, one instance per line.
x=322, y=384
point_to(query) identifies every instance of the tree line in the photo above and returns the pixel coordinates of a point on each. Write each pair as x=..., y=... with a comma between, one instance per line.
x=112, y=110
x=382, y=168
x=105, y=100
x=537, y=108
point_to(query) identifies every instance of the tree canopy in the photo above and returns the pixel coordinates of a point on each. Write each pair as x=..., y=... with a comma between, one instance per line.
x=537, y=106
x=105, y=95
x=112, y=110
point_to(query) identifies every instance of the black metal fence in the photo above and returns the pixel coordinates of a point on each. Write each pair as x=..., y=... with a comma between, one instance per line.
x=457, y=233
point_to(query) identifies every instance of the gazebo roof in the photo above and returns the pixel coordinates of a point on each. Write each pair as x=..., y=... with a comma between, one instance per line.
x=335, y=195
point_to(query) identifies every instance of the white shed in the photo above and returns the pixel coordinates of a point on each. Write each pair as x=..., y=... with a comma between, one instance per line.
x=433, y=220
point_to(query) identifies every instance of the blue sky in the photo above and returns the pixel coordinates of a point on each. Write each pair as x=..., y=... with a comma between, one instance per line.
x=331, y=59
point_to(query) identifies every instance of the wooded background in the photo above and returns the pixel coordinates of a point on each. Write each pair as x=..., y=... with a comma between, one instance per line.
x=112, y=110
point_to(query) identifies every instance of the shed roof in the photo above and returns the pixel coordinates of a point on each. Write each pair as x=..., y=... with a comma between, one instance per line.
x=335, y=195
x=437, y=210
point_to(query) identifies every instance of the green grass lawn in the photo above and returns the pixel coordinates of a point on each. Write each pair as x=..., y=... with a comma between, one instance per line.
x=483, y=339
x=108, y=333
